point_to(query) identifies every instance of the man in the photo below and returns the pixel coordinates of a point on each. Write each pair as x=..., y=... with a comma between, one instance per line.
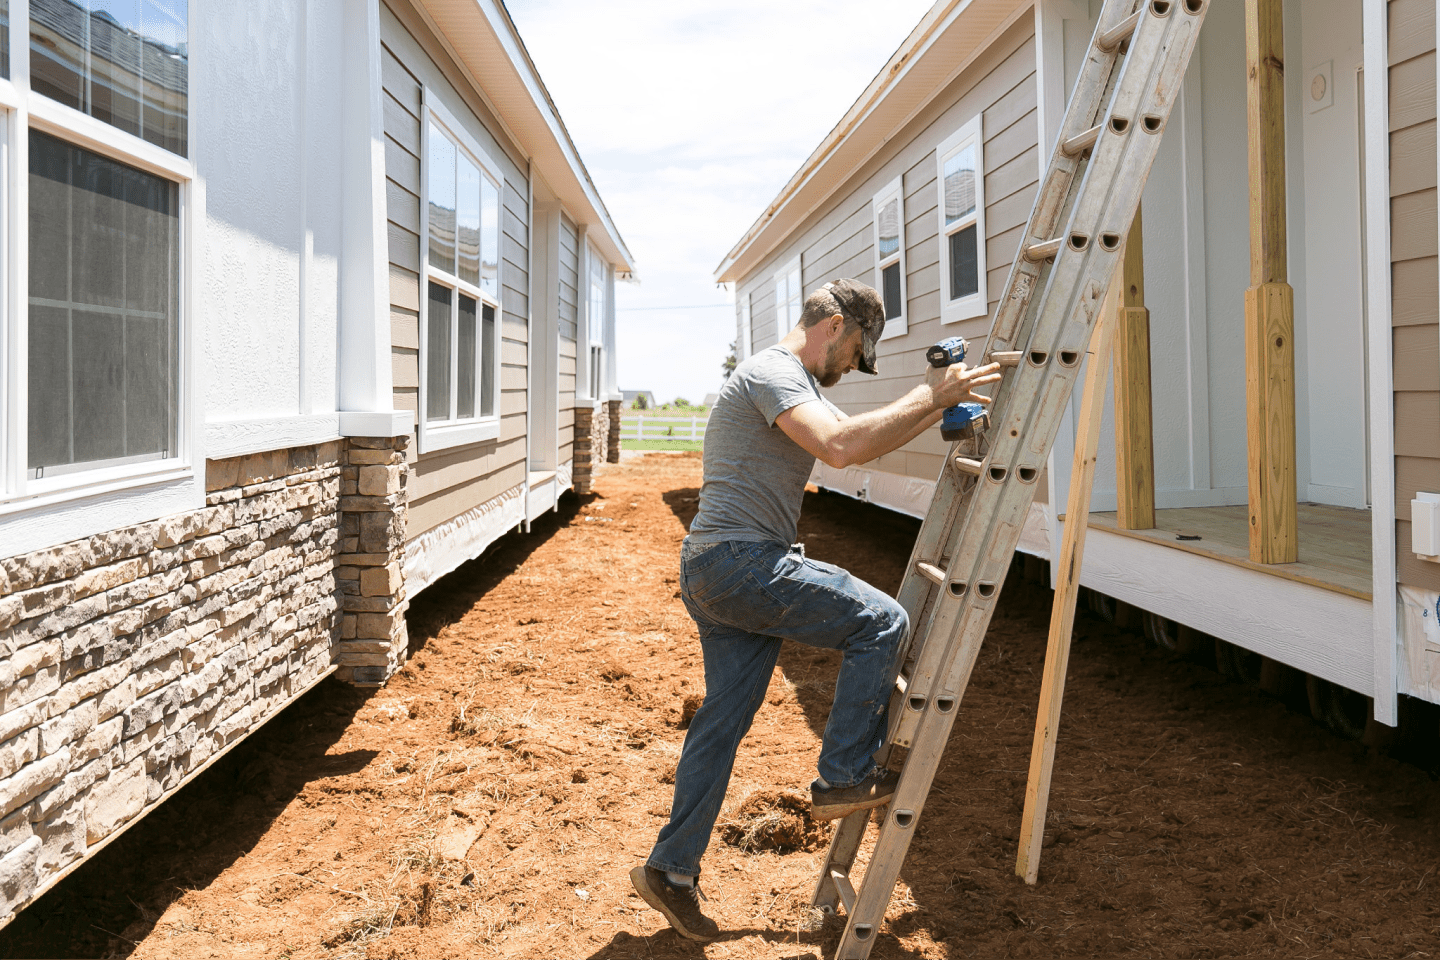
x=747, y=588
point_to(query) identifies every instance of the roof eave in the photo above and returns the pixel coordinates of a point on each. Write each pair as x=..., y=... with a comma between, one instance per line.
x=945, y=42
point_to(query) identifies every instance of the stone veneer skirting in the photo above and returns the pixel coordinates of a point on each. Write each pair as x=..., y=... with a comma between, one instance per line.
x=594, y=428
x=132, y=659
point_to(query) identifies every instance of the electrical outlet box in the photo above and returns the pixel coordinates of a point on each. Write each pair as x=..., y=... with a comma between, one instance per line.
x=1425, y=526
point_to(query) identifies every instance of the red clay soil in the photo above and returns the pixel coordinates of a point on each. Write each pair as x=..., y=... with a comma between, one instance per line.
x=490, y=800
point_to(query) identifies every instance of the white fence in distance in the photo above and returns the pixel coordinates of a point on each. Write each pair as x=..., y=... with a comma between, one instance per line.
x=657, y=427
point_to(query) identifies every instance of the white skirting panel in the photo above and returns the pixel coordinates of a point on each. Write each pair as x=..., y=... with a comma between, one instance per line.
x=441, y=549
x=1417, y=657
x=542, y=498
x=912, y=496
x=1321, y=632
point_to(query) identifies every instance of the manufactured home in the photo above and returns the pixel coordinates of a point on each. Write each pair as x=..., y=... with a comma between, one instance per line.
x=303, y=303
x=1318, y=551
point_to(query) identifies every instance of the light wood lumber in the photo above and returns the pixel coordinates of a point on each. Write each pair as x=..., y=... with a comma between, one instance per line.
x=1270, y=301
x=1134, y=433
x=1067, y=590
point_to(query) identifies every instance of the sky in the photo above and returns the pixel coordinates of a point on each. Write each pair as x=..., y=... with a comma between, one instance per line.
x=691, y=116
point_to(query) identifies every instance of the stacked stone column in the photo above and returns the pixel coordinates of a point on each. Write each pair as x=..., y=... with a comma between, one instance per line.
x=612, y=453
x=373, y=642
x=583, y=457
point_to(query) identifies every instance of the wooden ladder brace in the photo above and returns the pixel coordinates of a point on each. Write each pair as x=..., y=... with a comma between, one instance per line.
x=1083, y=210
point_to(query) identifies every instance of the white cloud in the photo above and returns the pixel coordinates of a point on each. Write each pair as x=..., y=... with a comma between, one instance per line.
x=690, y=119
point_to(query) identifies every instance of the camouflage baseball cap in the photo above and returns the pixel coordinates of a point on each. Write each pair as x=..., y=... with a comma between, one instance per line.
x=861, y=303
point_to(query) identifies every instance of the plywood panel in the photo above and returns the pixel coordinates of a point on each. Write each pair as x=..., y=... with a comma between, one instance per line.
x=1412, y=158
x=402, y=166
x=1413, y=226
x=1417, y=424
x=404, y=248
x=1412, y=91
x=1415, y=287
x=404, y=288
x=1411, y=29
x=1417, y=359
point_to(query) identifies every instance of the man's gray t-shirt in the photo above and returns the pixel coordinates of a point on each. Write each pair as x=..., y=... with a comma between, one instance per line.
x=754, y=474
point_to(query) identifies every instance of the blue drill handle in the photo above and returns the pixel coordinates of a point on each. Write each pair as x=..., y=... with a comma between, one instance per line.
x=964, y=420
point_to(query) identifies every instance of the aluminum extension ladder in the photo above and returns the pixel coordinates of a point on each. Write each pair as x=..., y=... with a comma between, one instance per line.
x=1086, y=201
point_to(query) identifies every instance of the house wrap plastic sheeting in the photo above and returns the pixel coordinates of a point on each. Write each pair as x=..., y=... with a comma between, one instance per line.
x=441, y=549
x=1418, y=658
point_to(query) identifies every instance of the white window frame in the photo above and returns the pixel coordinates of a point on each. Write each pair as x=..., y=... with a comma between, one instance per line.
x=170, y=478
x=895, y=326
x=789, y=270
x=595, y=347
x=976, y=304
x=444, y=434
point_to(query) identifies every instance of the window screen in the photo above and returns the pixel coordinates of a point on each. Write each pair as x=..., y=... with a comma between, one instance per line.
x=964, y=277
x=125, y=62
x=437, y=354
x=890, y=277
x=104, y=309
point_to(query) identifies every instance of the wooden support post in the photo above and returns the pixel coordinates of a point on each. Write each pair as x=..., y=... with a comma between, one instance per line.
x=1270, y=301
x=1067, y=589
x=1134, y=440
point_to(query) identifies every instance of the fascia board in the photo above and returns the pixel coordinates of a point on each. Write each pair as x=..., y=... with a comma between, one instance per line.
x=947, y=40
x=483, y=40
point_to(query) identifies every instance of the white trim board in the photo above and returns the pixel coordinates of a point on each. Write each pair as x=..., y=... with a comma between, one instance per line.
x=236, y=438
x=1312, y=629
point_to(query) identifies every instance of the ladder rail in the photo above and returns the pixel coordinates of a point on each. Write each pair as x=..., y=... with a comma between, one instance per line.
x=1107, y=144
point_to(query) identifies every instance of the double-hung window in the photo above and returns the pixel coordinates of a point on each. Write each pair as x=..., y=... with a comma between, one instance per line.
x=889, y=214
x=596, y=304
x=460, y=315
x=788, y=298
x=103, y=207
x=961, y=180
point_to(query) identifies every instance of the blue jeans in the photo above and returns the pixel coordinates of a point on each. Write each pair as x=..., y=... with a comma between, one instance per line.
x=745, y=597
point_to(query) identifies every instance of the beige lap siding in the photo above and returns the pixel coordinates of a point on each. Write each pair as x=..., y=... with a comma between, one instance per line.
x=1415, y=313
x=134, y=657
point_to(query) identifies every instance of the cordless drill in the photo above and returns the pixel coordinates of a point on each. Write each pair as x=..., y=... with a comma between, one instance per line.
x=964, y=421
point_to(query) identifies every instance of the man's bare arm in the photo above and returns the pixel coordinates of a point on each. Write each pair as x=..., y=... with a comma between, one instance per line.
x=859, y=439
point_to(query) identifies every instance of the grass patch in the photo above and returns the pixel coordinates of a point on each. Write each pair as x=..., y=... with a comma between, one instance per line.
x=658, y=443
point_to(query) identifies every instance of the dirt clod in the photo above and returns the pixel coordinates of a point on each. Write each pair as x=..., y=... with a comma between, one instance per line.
x=777, y=820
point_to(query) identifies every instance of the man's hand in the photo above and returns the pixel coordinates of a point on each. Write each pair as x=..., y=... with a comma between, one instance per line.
x=953, y=384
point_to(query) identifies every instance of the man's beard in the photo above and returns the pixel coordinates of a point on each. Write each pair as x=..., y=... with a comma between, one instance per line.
x=831, y=373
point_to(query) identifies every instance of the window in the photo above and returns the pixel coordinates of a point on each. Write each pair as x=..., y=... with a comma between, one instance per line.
x=104, y=319
x=788, y=298
x=124, y=62
x=889, y=210
x=961, y=180
x=460, y=346
x=595, y=307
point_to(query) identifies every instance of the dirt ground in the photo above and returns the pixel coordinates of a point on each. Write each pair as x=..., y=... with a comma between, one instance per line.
x=490, y=800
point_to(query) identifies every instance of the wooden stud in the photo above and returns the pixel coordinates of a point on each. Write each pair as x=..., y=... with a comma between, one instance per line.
x=1067, y=590
x=1270, y=301
x=1134, y=440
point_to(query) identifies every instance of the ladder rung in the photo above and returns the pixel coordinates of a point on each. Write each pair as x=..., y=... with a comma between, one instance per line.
x=1121, y=32
x=1007, y=358
x=931, y=572
x=972, y=467
x=1036, y=252
x=841, y=879
x=1082, y=141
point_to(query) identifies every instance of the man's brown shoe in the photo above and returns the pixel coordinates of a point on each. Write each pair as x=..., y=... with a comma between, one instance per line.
x=680, y=905
x=831, y=803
